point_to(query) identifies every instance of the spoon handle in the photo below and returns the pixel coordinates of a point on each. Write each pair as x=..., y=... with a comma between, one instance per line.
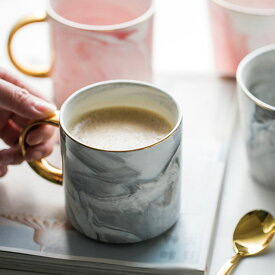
x=229, y=265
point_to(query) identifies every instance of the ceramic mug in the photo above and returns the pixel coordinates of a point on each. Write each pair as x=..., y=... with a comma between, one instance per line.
x=117, y=196
x=92, y=41
x=256, y=83
x=239, y=27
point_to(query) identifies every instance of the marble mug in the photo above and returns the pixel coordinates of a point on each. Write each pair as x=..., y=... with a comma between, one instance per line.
x=117, y=196
x=92, y=41
x=256, y=86
x=239, y=27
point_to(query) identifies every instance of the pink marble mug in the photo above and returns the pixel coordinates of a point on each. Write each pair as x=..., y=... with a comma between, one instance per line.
x=239, y=27
x=92, y=41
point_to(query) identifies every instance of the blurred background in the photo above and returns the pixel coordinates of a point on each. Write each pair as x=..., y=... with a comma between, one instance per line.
x=182, y=43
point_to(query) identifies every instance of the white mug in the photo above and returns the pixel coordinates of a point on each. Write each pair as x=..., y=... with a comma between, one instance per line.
x=117, y=196
x=256, y=85
x=92, y=41
x=238, y=28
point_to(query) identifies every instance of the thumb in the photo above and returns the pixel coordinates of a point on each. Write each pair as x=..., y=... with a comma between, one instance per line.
x=23, y=103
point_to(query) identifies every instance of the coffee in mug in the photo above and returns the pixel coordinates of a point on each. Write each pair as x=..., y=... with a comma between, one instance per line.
x=120, y=128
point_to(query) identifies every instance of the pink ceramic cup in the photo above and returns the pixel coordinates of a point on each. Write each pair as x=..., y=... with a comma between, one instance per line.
x=92, y=41
x=239, y=27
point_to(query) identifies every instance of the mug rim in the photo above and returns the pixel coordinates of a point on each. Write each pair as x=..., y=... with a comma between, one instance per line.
x=120, y=81
x=144, y=16
x=242, y=66
x=246, y=10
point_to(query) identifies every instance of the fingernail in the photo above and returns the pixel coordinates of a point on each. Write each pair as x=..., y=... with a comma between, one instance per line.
x=34, y=140
x=35, y=156
x=44, y=107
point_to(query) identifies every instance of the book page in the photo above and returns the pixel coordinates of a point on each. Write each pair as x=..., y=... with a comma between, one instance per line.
x=32, y=216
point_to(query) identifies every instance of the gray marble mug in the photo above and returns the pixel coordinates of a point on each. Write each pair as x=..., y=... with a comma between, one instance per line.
x=117, y=196
x=256, y=86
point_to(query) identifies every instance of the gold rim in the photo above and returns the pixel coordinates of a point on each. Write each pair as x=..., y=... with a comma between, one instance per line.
x=131, y=82
x=242, y=86
x=122, y=151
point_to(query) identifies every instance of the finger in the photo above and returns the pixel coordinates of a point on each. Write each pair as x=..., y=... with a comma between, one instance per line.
x=40, y=134
x=10, y=134
x=3, y=170
x=11, y=156
x=20, y=121
x=4, y=117
x=40, y=151
x=22, y=103
x=17, y=81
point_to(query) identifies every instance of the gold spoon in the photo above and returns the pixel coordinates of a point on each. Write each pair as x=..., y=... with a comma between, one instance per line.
x=252, y=234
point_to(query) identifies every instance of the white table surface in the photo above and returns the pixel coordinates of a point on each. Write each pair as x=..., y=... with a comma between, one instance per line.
x=241, y=195
x=182, y=46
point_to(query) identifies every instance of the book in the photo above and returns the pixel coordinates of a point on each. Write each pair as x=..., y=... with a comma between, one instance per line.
x=35, y=235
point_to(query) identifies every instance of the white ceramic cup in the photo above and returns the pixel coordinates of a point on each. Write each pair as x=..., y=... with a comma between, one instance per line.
x=239, y=27
x=256, y=85
x=92, y=41
x=117, y=196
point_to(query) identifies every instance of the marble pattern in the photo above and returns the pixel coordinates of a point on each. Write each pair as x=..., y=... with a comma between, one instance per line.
x=93, y=56
x=122, y=197
x=260, y=144
x=259, y=122
x=237, y=33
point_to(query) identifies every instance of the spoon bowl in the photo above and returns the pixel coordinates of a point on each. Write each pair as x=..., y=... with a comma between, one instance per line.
x=252, y=234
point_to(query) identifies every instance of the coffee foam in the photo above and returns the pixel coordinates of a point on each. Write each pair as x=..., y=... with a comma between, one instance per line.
x=120, y=128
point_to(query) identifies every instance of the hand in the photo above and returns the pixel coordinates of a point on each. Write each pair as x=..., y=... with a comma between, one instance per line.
x=19, y=105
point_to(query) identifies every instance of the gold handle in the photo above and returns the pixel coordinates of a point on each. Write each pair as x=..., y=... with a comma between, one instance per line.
x=20, y=24
x=42, y=167
x=228, y=267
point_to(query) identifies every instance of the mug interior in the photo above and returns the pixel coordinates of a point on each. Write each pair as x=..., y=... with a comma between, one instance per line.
x=119, y=94
x=259, y=7
x=99, y=12
x=256, y=76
